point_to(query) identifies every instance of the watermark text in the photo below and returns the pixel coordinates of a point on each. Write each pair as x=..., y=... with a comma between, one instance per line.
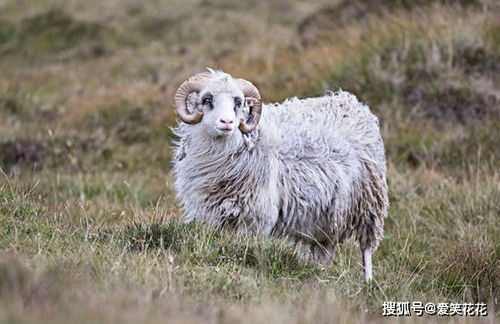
x=397, y=308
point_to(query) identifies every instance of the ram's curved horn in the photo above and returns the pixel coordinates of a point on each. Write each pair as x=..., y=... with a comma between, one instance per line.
x=193, y=84
x=249, y=90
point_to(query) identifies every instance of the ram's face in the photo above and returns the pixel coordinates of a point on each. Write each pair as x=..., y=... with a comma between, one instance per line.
x=221, y=104
x=214, y=100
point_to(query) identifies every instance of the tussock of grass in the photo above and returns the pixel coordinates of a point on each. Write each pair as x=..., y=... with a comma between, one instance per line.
x=472, y=267
x=213, y=247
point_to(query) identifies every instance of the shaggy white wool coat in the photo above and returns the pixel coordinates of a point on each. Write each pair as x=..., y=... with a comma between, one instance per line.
x=313, y=170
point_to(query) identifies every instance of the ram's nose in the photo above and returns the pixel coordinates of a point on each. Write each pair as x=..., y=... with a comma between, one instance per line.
x=225, y=126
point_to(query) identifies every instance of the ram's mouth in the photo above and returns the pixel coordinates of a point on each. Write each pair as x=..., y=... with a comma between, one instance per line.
x=224, y=130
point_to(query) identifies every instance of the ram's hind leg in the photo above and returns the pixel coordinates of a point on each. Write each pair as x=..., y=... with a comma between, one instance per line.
x=367, y=263
x=369, y=236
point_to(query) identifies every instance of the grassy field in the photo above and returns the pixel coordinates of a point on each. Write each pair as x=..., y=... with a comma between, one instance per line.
x=90, y=230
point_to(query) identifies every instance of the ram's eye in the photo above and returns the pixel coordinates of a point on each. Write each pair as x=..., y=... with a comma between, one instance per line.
x=237, y=102
x=207, y=100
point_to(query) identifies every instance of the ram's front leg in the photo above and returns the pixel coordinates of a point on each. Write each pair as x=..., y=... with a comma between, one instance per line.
x=258, y=223
x=259, y=204
x=267, y=213
x=259, y=217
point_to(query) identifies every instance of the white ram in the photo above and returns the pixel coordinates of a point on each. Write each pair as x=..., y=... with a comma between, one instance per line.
x=311, y=169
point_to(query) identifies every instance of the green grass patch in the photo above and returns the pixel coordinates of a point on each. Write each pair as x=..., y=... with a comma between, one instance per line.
x=48, y=34
x=212, y=247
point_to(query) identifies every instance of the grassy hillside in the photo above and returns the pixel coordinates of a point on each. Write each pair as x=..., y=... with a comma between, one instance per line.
x=89, y=226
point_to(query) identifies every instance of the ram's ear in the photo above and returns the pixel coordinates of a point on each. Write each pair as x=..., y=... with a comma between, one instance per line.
x=192, y=102
x=251, y=101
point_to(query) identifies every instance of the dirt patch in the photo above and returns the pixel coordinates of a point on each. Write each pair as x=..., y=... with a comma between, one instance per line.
x=22, y=152
x=10, y=105
x=478, y=60
x=450, y=104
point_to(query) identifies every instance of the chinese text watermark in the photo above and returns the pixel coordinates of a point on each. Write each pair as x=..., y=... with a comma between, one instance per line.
x=393, y=308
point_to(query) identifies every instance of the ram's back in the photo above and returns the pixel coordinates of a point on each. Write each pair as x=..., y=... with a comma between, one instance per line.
x=322, y=127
